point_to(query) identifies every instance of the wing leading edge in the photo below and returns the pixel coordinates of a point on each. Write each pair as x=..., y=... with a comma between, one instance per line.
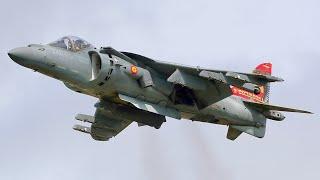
x=167, y=68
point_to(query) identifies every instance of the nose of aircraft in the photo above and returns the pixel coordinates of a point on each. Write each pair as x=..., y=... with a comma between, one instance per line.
x=18, y=54
x=26, y=56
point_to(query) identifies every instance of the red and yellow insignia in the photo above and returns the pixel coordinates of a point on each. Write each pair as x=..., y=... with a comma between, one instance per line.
x=248, y=95
x=134, y=70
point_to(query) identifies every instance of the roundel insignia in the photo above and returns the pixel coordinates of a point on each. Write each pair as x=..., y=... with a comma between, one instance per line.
x=134, y=70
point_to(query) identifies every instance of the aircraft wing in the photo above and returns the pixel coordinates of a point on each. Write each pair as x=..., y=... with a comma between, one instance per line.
x=167, y=69
x=112, y=118
x=107, y=125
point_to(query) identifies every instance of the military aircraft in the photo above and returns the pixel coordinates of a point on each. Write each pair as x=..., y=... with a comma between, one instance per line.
x=134, y=88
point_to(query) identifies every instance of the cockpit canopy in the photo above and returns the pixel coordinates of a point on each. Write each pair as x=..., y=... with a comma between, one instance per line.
x=71, y=43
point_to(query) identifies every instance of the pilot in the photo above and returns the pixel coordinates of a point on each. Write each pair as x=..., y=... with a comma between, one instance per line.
x=78, y=45
x=70, y=45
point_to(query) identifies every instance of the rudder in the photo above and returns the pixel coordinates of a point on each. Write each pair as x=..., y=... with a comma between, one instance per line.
x=264, y=69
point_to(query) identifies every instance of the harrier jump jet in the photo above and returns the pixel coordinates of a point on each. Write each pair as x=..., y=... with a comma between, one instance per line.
x=134, y=88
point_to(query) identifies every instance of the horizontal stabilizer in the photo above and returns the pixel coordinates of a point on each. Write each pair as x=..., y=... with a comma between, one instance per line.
x=267, y=107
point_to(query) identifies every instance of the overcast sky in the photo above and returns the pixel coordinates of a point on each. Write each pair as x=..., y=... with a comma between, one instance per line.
x=37, y=112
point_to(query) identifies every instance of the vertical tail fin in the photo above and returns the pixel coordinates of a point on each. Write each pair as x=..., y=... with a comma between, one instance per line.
x=263, y=96
x=264, y=69
x=235, y=131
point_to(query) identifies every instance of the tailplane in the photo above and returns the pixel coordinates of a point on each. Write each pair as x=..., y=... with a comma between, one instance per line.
x=259, y=102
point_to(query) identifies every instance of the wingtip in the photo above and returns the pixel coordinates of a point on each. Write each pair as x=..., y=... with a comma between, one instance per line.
x=306, y=112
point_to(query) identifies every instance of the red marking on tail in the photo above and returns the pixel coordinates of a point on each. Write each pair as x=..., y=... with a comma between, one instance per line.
x=265, y=68
x=248, y=95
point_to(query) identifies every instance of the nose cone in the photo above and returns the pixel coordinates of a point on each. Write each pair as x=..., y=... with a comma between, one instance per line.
x=26, y=56
x=18, y=54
